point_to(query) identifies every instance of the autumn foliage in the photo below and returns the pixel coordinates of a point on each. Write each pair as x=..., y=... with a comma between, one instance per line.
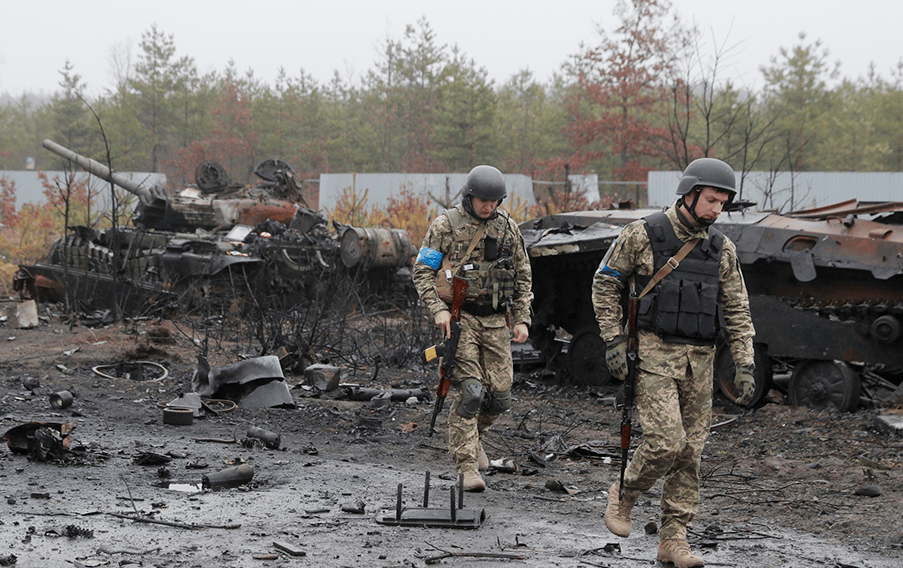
x=26, y=235
x=407, y=211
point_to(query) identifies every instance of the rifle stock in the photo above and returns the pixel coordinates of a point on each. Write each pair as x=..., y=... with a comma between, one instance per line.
x=459, y=293
x=629, y=385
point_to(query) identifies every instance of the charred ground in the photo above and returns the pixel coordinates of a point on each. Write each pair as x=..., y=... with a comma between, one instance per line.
x=782, y=485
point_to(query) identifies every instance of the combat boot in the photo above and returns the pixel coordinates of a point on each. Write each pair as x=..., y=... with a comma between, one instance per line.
x=473, y=481
x=482, y=459
x=617, y=514
x=677, y=552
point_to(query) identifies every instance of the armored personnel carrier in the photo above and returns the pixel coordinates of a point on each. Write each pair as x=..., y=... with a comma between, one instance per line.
x=212, y=242
x=825, y=285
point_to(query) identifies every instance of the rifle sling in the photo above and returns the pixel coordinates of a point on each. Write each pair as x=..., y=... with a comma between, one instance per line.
x=672, y=263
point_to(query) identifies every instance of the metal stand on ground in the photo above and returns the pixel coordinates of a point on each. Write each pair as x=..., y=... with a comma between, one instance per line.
x=454, y=517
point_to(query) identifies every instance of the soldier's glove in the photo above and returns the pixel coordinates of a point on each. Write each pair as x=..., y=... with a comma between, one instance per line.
x=616, y=357
x=745, y=383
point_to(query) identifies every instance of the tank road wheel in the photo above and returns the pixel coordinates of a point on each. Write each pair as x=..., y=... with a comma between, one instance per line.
x=820, y=384
x=724, y=373
x=586, y=358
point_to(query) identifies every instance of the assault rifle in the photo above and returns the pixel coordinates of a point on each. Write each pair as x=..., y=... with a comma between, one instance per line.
x=447, y=349
x=629, y=384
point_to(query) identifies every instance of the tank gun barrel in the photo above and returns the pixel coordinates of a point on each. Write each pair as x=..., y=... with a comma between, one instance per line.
x=146, y=194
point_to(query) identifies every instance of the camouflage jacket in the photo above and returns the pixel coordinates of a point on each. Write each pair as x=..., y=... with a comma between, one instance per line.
x=444, y=239
x=631, y=253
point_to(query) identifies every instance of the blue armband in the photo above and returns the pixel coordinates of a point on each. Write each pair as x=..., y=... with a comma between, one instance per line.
x=430, y=257
x=609, y=271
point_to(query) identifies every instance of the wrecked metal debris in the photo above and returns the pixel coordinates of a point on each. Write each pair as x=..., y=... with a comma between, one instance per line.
x=40, y=440
x=133, y=370
x=288, y=548
x=231, y=477
x=73, y=531
x=254, y=383
x=178, y=416
x=270, y=439
x=368, y=394
x=61, y=399
x=151, y=458
x=322, y=377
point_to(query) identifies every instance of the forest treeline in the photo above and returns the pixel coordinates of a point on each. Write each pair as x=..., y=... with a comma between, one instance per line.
x=643, y=97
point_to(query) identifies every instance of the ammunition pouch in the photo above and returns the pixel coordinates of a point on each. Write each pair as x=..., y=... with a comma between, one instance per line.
x=502, y=277
x=444, y=282
x=493, y=282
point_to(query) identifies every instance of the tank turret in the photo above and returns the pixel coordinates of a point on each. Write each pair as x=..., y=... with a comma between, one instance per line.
x=230, y=205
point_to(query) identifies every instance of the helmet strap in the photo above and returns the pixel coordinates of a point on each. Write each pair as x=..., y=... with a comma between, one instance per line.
x=468, y=205
x=467, y=202
x=692, y=209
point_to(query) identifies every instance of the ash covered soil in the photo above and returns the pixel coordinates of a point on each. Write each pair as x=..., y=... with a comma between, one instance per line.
x=782, y=486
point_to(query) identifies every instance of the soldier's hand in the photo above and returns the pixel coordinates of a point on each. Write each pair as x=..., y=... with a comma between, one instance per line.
x=443, y=322
x=745, y=383
x=521, y=333
x=616, y=357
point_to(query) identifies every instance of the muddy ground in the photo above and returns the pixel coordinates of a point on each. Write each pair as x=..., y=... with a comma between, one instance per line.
x=782, y=486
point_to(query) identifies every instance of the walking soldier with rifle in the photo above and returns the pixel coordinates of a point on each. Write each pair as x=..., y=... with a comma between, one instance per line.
x=479, y=244
x=688, y=291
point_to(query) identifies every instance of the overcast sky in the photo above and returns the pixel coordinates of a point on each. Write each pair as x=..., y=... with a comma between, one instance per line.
x=325, y=36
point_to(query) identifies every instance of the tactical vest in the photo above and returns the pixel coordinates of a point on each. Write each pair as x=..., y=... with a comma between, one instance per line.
x=490, y=273
x=683, y=307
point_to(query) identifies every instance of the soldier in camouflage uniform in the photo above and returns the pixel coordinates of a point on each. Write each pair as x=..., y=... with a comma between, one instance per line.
x=499, y=280
x=677, y=327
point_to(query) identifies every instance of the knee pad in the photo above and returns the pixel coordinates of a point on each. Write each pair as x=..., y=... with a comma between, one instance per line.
x=501, y=402
x=468, y=403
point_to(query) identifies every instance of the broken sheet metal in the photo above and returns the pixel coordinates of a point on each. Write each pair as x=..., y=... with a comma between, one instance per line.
x=253, y=383
x=455, y=516
x=191, y=400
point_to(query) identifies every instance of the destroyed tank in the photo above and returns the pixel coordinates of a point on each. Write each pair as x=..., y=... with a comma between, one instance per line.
x=825, y=288
x=208, y=242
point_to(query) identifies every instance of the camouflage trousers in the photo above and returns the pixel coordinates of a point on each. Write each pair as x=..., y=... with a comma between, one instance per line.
x=674, y=404
x=484, y=353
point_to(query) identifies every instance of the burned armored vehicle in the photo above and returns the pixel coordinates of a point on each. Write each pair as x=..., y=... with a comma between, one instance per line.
x=825, y=285
x=214, y=242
